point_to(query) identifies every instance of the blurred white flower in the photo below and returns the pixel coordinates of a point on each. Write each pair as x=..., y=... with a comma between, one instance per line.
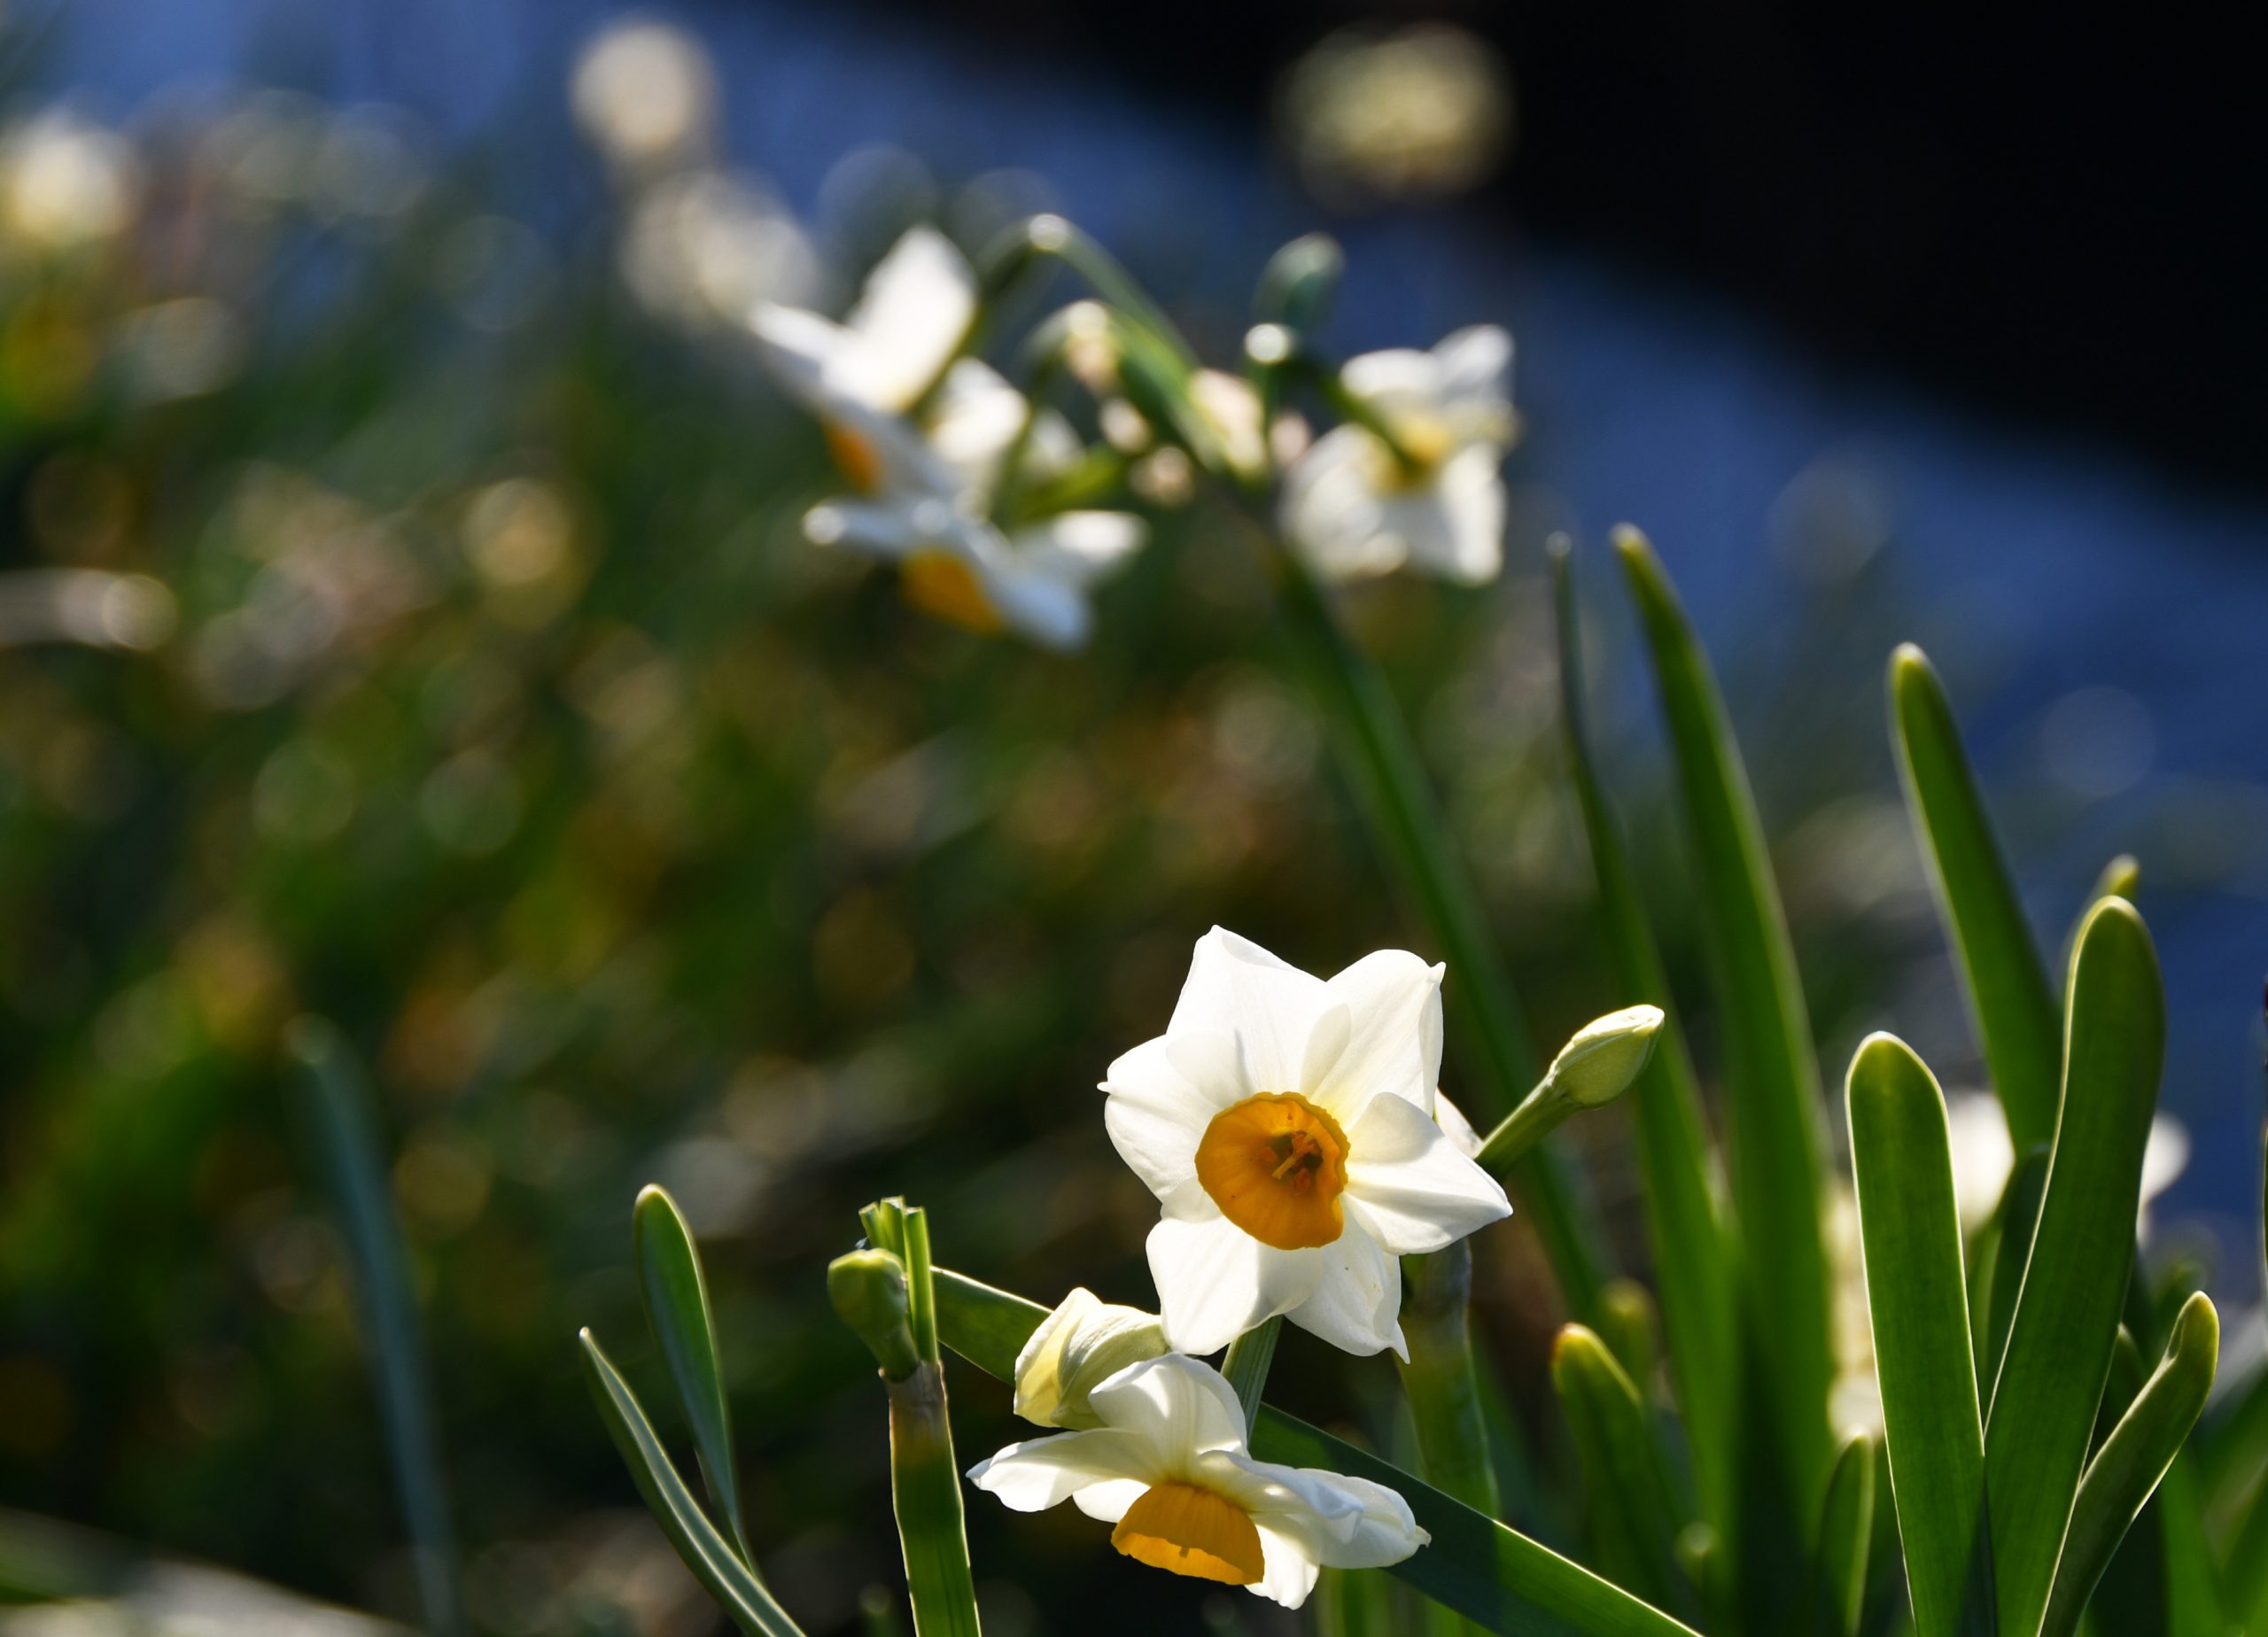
x=65, y=182
x=910, y=321
x=1081, y=1345
x=1357, y=507
x=645, y=93
x=1168, y=1465
x=925, y=438
x=1286, y=1126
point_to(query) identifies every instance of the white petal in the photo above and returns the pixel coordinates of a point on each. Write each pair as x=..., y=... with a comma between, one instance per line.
x=1384, y=1531
x=801, y=349
x=977, y=417
x=1476, y=364
x=1287, y=1574
x=1331, y=511
x=1326, y=1045
x=1394, y=1003
x=1108, y=1502
x=1451, y=1119
x=1356, y=1306
x=1399, y=378
x=1454, y=527
x=1081, y=545
x=916, y=309
x=884, y=528
x=1215, y=1281
x=1052, y=612
x=1177, y=1408
x=1156, y=1113
x=1236, y=988
x=1041, y=1472
x=1408, y=1183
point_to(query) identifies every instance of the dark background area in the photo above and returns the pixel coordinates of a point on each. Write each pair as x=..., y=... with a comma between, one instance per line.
x=2051, y=219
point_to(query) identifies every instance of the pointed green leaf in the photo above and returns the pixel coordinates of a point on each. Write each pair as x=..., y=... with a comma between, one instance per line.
x=676, y=1294
x=1682, y=1224
x=708, y=1554
x=1634, y=1520
x=1494, y=1576
x=1919, y=1305
x=1771, y=1073
x=1847, y=1531
x=2017, y=1217
x=2126, y=1470
x=2075, y=1282
x=353, y=1161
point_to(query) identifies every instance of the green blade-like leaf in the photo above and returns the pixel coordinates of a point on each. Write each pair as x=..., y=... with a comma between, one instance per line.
x=2126, y=1470
x=2075, y=1282
x=2121, y=878
x=2008, y=992
x=1494, y=1576
x=1771, y=1071
x=1846, y=1530
x=1919, y=1305
x=353, y=1161
x=1405, y=822
x=708, y=1554
x=676, y=1294
x=1683, y=1225
x=1634, y=1519
x=2018, y=1217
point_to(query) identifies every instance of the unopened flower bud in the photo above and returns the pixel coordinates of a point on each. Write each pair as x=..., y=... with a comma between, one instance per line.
x=1605, y=1056
x=1077, y=1348
x=868, y=1291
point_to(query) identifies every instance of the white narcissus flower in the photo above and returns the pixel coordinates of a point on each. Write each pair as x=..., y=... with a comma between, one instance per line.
x=1286, y=1126
x=1081, y=1345
x=1168, y=1467
x=927, y=464
x=1354, y=508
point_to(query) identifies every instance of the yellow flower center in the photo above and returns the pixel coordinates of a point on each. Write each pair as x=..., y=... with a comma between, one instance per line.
x=1276, y=1164
x=939, y=583
x=860, y=465
x=1190, y=1530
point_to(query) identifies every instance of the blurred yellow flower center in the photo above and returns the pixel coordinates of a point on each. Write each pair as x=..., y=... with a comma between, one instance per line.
x=1276, y=1164
x=1190, y=1531
x=939, y=583
x=861, y=467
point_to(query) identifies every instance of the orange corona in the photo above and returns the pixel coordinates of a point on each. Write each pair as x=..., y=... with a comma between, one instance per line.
x=1276, y=1164
x=1193, y=1532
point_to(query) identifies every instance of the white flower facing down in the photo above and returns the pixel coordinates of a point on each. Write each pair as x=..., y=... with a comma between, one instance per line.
x=1354, y=508
x=1168, y=1467
x=1286, y=1126
x=926, y=464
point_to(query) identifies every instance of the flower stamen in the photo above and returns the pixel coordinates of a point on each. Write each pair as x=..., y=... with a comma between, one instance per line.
x=1276, y=1164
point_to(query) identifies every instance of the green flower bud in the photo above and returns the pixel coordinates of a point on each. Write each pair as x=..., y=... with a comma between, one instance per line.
x=1605, y=1056
x=1077, y=1348
x=868, y=1291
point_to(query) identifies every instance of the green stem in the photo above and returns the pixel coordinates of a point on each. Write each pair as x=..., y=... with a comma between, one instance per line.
x=1246, y=1362
x=1398, y=803
x=1442, y=1380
